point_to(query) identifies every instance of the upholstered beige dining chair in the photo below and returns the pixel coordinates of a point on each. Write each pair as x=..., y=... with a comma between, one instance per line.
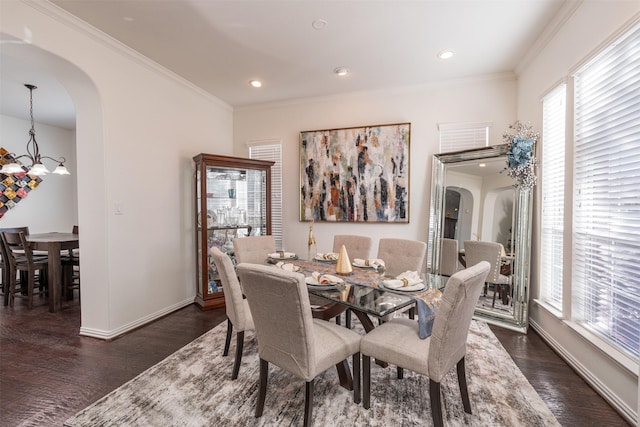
x=475, y=251
x=448, y=257
x=402, y=254
x=289, y=337
x=397, y=341
x=238, y=313
x=357, y=246
x=253, y=249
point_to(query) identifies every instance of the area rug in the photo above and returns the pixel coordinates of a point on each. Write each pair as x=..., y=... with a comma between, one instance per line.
x=192, y=387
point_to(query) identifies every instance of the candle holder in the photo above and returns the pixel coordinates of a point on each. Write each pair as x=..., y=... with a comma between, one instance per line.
x=311, y=244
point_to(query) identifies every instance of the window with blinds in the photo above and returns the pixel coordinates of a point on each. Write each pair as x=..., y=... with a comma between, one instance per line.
x=552, y=185
x=463, y=136
x=272, y=152
x=606, y=228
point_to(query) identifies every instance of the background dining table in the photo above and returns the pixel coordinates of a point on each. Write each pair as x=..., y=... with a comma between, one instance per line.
x=53, y=243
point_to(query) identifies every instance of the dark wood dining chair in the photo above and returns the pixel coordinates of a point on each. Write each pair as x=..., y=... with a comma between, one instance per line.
x=70, y=260
x=6, y=270
x=22, y=259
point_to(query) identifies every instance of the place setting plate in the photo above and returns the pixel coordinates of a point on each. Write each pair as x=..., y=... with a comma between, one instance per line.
x=281, y=256
x=412, y=289
x=313, y=283
x=332, y=259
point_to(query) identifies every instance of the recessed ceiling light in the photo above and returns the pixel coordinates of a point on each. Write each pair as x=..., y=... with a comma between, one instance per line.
x=255, y=83
x=445, y=54
x=341, y=71
x=482, y=165
x=319, y=24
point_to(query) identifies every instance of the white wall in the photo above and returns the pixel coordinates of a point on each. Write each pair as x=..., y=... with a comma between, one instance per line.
x=138, y=127
x=489, y=99
x=53, y=205
x=590, y=27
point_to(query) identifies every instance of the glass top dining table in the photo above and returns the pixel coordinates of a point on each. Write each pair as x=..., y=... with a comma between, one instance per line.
x=362, y=293
x=362, y=290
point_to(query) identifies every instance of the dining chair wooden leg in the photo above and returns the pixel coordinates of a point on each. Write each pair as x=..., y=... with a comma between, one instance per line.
x=356, y=377
x=32, y=279
x=239, y=347
x=366, y=381
x=308, y=403
x=462, y=383
x=6, y=286
x=436, y=404
x=495, y=290
x=12, y=290
x=262, y=390
x=347, y=318
x=400, y=372
x=227, y=341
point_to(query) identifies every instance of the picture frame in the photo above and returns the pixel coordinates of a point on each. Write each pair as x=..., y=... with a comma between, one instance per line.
x=355, y=174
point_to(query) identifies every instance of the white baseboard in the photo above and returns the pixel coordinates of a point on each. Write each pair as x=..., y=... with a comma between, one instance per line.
x=625, y=411
x=107, y=335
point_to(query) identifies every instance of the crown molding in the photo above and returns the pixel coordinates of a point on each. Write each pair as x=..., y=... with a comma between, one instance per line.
x=550, y=31
x=73, y=22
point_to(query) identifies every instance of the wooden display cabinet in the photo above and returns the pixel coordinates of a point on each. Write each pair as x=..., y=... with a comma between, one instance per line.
x=232, y=200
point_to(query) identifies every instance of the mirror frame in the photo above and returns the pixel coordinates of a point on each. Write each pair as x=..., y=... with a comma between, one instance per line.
x=519, y=321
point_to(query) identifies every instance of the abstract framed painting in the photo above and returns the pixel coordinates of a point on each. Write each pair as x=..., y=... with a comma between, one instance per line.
x=357, y=174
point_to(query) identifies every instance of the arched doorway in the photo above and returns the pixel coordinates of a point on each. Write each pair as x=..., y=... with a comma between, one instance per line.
x=91, y=177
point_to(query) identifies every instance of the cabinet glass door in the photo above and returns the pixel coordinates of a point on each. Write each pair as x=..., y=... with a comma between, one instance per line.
x=232, y=201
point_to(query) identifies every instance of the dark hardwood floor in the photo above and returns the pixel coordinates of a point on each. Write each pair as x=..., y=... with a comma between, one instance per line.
x=49, y=372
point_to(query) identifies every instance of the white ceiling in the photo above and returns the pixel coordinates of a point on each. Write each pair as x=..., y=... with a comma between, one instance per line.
x=221, y=45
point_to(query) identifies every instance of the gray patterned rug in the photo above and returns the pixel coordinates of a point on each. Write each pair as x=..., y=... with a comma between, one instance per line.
x=192, y=387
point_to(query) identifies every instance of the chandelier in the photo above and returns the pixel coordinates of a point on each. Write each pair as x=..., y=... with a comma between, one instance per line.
x=33, y=153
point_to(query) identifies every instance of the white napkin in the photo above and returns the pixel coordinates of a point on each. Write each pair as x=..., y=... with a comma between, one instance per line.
x=329, y=256
x=326, y=279
x=407, y=281
x=287, y=266
x=371, y=262
x=282, y=255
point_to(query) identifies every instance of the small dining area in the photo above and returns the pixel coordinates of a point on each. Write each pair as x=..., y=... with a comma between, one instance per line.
x=45, y=265
x=300, y=313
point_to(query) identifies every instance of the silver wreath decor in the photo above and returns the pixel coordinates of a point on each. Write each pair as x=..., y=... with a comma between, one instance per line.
x=521, y=161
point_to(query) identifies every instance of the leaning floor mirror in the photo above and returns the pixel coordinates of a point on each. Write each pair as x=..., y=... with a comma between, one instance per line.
x=473, y=199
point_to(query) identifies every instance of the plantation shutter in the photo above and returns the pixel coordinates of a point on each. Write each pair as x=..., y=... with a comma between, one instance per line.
x=552, y=185
x=606, y=277
x=463, y=136
x=272, y=152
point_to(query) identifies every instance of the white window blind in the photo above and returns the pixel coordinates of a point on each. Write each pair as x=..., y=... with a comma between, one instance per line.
x=272, y=152
x=552, y=185
x=606, y=277
x=463, y=136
